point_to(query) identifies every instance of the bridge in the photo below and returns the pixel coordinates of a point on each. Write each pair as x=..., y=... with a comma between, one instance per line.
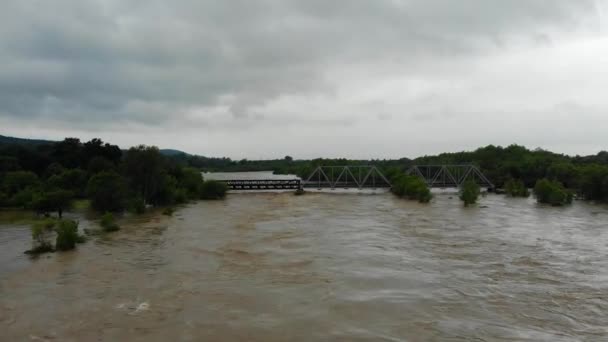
x=367, y=177
x=263, y=184
x=347, y=177
x=450, y=176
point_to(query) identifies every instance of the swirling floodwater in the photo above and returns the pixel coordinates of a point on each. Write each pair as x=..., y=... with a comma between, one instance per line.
x=320, y=267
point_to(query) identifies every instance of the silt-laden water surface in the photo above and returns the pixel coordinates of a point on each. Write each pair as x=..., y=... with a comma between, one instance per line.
x=320, y=267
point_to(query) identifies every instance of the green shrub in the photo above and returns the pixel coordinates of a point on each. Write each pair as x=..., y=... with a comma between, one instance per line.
x=108, y=224
x=67, y=235
x=168, y=211
x=552, y=192
x=213, y=190
x=516, y=188
x=41, y=234
x=137, y=205
x=469, y=192
x=411, y=187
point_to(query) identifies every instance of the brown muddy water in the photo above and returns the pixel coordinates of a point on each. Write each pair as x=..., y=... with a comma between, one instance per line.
x=319, y=267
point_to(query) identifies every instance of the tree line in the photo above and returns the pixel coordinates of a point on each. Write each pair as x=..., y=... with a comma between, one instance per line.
x=115, y=179
x=47, y=177
x=586, y=176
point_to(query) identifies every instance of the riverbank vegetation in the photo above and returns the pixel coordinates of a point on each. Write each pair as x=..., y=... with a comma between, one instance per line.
x=48, y=177
x=586, y=176
x=143, y=176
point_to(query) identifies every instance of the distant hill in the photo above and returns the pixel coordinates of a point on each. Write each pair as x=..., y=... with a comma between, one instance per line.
x=170, y=152
x=33, y=142
x=22, y=141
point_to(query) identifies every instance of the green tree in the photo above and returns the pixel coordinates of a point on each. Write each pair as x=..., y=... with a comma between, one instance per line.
x=144, y=167
x=68, y=152
x=13, y=182
x=469, y=192
x=594, y=182
x=74, y=180
x=565, y=173
x=49, y=201
x=191, y=181
x=107, y=191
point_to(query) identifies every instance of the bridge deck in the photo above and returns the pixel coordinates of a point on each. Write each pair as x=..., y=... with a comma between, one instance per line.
x=342, y=185
x=263, y=184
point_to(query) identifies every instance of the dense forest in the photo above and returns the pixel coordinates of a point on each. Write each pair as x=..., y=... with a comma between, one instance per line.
x=46, y=176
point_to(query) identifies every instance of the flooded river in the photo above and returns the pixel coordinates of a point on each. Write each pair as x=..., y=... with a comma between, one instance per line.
x=319, y=267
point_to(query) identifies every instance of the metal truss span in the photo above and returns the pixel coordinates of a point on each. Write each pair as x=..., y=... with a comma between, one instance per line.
x=359, y=177
x=449, y=176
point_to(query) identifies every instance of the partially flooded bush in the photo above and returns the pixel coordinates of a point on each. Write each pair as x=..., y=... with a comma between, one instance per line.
x=516, y=188
x=469, y=192
x=552, y=192
x=41, y=232
x=213, y=190
x=67, y=235
x=108, y=224
x=411, y=187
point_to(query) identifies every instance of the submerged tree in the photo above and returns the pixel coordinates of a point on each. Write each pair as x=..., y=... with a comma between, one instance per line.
x=516, y=188
x=67, y=235
x=552, y=192
x=469, y=192
x=410, y=187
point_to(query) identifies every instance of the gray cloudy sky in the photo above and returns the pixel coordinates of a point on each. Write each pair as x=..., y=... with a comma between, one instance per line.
x=309, y=78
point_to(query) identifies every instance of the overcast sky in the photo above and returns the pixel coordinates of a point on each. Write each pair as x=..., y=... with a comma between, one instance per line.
x=309, y=78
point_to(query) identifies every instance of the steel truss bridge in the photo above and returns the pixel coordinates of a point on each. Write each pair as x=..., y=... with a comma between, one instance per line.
x=367, y=177
x=450, y=176
x=347, y=177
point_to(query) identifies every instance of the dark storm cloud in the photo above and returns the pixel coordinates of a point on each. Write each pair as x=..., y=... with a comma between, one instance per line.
x=92, y=62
